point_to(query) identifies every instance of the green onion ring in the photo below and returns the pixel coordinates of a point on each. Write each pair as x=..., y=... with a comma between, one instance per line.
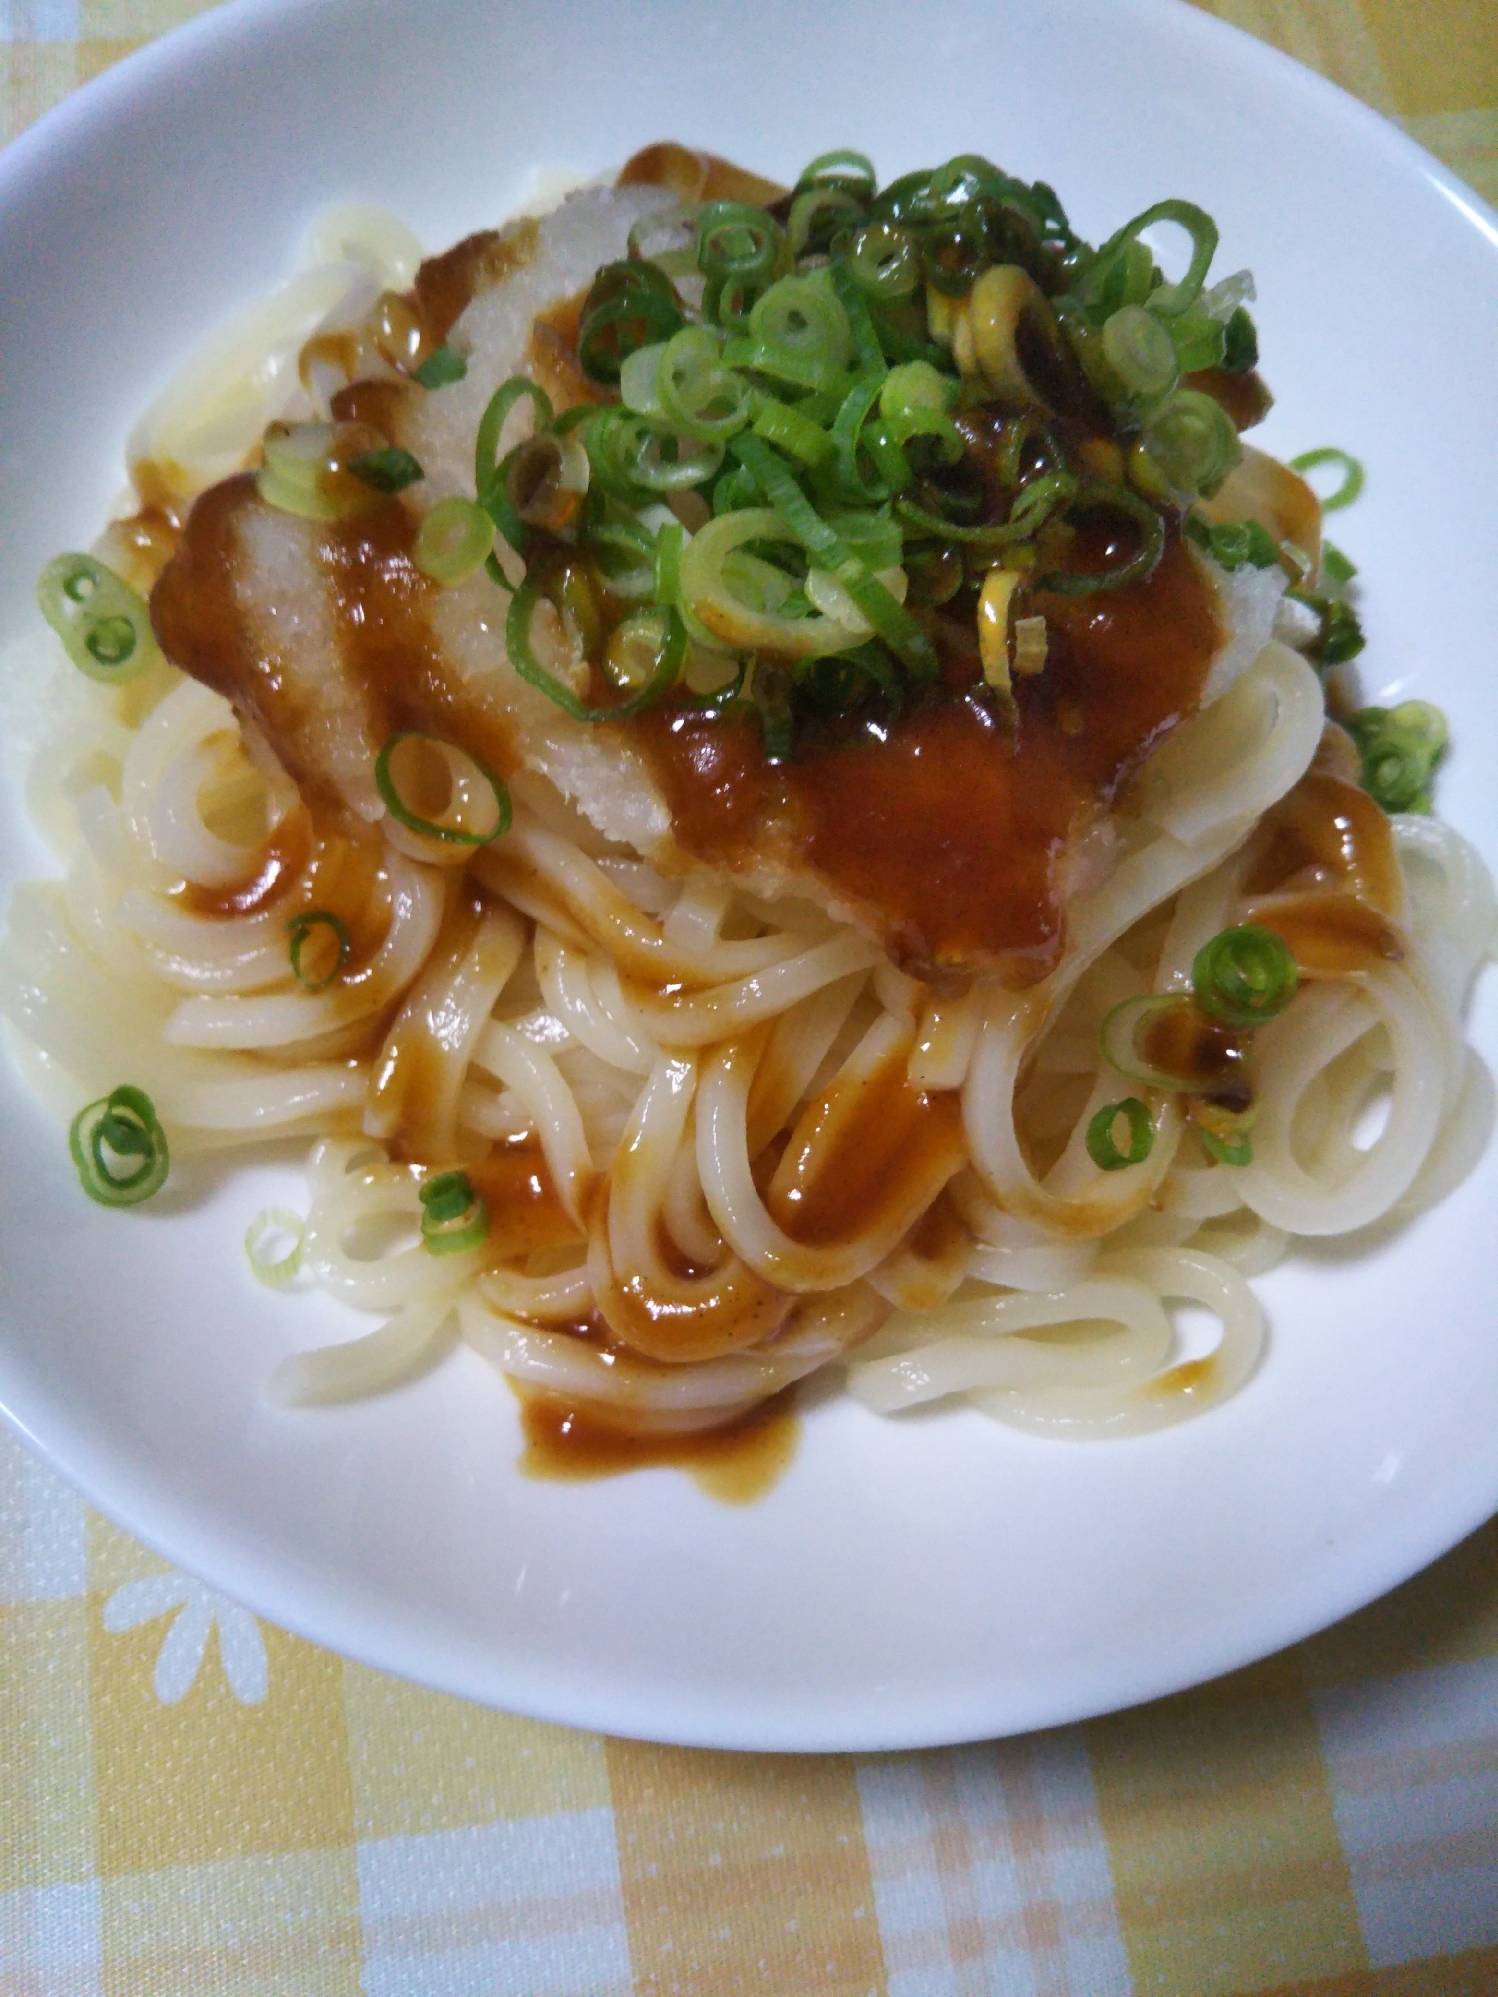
x=492, y=422
x=300, y=927
x=275, y=1271
x=429, y=828
x=121, y=1126
x=1167, y=299
x=441, y=368
x=842, y=168
x=1352, y=474
x=523, y=607
x=1101, y=493
x=890, y=620
x=1102, y=1148
x=454, y=540
x=1118, y=1038
x=454, y=1219
x=104, y=625
x=1244, y=975
x=1239, y=1152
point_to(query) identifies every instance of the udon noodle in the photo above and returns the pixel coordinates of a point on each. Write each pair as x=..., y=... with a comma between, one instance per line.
x=726, y=1137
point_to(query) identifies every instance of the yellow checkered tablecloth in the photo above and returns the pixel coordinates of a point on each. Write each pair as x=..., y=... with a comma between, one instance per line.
x=193, y=1803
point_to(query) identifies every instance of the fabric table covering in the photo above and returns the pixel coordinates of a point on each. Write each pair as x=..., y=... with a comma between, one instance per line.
x=194, y=1804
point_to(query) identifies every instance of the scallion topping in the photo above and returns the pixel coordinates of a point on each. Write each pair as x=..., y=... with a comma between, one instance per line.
x=454, y=540
x=104, y=625
x=273, y=1245
x=630, y=305
x=1244, y=975
x=389, y=470
x=1400, y=747
x=1351, y=470
x=1102, y=1141
x=442, y=368
x=440, y=792
x=454, y=1219
x=1232, y=543
x=120, y=1148
x=328, y=937
x=671, y=641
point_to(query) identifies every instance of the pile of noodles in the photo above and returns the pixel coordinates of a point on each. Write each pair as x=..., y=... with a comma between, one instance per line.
x=660, y=1040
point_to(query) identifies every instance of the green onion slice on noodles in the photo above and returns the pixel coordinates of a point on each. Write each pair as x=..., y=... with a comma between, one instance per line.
x=328, y=937
x=104, y=625
x=120, y=1148
x=439, y=791
x=1102, y=1143
x=453, y=1219
x=1244, y=975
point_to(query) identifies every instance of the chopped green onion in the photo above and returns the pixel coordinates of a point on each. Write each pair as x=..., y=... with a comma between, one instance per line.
x=1352, y=474
x=1232, y=543
x=454, y=1219
x=826, y=547
x=1198, y=339
x=1400, y=747
x=1336, y=570
x=1101, y=495
x=841, y=168
x=389, y=470
x=99, y=618
x=884, y=261
x=1192, y=440
x=1227, y=1151
x=630, y=305
x=817, y=215
x=1339, y=635
x=698, y=395
x=454, y=540
x=632, y=458
x=464, y=789
x=1244, y=975
x=1119, y=1036
x=740, y=251
x=803, y=316
x=1140, y=350
x=487, y=482
x=671, y=650
x=1102, y=1147
x=275, y=1228
x=781, y=424
x=1240, y=343
x=442, y=368
x=120, y=1148
x=303, y=926
x=1165, y=299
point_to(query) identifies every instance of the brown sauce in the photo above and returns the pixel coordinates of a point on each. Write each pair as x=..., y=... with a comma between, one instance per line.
x=276, y=865
x=736, y=1464
x=1182, y=1040
x=943, y=829
x=1332, y=935
x=445, y=285
x=1245, y=397
x=1327, y=831
x=865, y=1154
x=551, y=357
x=696, y=176
x=526, y=1215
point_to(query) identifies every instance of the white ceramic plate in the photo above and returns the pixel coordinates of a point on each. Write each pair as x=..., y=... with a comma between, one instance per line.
x=933, y=1580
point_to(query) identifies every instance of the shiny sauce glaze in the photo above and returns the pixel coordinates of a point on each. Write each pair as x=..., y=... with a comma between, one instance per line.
x=1324, y=875
x=735, y=1464
x=944, y=828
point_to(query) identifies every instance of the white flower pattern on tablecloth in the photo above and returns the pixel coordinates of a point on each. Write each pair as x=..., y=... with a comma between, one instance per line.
x=241, y=1647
